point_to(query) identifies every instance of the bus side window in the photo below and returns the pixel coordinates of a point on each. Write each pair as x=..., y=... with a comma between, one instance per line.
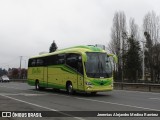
x=80, y=65
x=32, y=63
x=75, y=61
x=29, y=62
x=40, y=62
x=61, y=59
x=51, y=60
x=72, y=61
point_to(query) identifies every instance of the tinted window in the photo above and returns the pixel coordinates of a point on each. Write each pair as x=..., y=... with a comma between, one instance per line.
x=80, y=65
x=32, y=63
x=51, y=60
x=40, y=62
x=75, y=61
x=61, y=59
x=55, y=59
x=72, y=61
x=36, y=62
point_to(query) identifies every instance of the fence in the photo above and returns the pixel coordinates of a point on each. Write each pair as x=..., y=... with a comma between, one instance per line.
x=137, y=86
x=18, y=80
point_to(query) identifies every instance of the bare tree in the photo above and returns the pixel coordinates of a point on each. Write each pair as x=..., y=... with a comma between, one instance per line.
x=117, y=42
x=151, y=26
x=133, y=29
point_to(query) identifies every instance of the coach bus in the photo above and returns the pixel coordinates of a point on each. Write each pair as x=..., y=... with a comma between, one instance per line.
x=81, y=68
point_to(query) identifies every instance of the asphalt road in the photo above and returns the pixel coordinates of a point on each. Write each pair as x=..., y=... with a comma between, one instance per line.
x=16, y=96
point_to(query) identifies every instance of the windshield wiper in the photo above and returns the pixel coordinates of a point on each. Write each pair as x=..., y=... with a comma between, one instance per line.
x=102, y=67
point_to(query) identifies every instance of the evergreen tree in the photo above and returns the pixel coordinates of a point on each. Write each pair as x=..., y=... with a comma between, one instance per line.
x=133, y=60
x=53, y=47
x=3, y=72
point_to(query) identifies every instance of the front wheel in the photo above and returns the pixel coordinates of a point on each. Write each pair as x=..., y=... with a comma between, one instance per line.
x=70, y=89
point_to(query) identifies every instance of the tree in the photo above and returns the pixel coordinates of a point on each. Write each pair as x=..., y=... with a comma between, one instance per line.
x=3, y=72
x=133, y=60
x=53, y=47
x=156, y=62
x=132, y=55
x=24, y=73
x=151, y=26
x=117, y=43
x=14, y=73
x=134, y=29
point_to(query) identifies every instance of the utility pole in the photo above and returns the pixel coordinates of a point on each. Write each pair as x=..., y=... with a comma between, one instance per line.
x=124, y=37
x=143, y=66
x=20, y=66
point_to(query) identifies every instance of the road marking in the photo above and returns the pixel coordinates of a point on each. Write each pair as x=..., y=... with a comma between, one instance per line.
x=155, y=98
x=22, y=94
x=117, y=104
x=33, y=94
x=40, y=106
x=132, y=106
x=154, y=93
x=12, y=88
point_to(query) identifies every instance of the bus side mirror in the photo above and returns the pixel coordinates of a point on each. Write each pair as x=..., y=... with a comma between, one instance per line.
x=114, y=58
x=79, y=59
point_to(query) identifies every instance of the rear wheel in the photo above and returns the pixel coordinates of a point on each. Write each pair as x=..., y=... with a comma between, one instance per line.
x=37, y=85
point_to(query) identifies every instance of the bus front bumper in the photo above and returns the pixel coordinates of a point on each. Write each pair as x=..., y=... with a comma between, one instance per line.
x=98, y=88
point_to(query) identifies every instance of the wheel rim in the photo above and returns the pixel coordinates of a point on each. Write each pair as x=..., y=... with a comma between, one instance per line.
x=37, y=86
x=70, y=89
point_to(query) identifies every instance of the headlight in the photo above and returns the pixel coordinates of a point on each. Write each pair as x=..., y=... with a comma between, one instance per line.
x=88, y=83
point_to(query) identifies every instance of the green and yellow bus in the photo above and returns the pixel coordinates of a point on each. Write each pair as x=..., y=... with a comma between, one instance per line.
x=81, y=68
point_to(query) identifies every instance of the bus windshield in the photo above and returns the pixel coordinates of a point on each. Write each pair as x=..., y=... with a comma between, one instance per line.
x=98, y=65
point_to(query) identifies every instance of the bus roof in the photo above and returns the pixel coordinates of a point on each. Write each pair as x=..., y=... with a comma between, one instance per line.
x=75, y=49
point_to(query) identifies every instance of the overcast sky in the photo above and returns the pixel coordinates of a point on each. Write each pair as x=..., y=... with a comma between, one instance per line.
x=28, y=27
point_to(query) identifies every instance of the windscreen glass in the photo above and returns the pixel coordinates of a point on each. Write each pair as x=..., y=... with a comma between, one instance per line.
x=98, y=65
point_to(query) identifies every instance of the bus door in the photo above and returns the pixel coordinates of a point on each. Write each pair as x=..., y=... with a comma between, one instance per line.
x=80, y=76
x=74, y=61
x=39, y=71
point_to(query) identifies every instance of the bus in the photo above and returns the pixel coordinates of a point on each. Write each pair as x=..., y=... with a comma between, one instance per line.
x=80, y=68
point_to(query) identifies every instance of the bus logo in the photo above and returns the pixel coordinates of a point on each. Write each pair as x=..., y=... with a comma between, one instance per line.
x=101, y=83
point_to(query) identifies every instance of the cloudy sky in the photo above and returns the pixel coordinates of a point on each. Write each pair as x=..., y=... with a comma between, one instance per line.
x=28, y=27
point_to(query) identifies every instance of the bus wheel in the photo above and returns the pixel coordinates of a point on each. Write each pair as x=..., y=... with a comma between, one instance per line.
x=70, y=89
x=37, y=85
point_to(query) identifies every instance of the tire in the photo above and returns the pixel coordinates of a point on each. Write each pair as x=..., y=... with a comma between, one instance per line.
x=37, y=85
x=70, y=89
